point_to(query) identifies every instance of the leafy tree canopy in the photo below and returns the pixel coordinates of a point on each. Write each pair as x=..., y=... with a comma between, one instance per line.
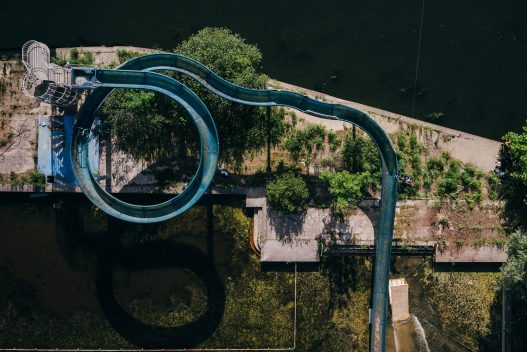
x=144, y=122
x=513, y=158
x=360, y=155
x=514, y=272
x=305, y=145
x=288, y=193
x=345, y=187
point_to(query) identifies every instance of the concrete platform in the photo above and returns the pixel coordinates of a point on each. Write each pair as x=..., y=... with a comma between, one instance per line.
x=294, y=252
x=485, y=254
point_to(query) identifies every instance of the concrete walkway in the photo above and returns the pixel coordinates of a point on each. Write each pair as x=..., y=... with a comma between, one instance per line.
x=44, y=146
x=297, y=237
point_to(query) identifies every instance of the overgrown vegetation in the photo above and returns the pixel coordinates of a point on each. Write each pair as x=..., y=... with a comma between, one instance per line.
x=465, y=304
x=345, y=188
x=126, y=55
x=259, y=305
x=437, y=176
x=305, y=145
x=433, y=176
x=31, y=177
x=76, y=57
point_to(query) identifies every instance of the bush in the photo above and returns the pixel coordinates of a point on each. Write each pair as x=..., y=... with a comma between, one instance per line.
x=410, y=153
x=76, y=57
x=36, y=178
x=344, y=187
x=449, y=185
x=435, y=165
x=305, y=145
x=493, y=186
x=288, y=193
x=126, y=55
x=471, y=182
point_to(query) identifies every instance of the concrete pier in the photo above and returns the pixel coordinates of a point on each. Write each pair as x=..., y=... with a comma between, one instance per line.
x=398, y=292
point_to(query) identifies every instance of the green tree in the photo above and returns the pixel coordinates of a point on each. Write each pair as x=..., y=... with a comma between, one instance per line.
x=513, y=158
x=514, y=272
x=514, y=281
x=288, y=193
x=144, y=122
x=512, y=188
x=305, y=145
x=149, y=125
x=241, y=128
x=360, y=155
x=345, y=187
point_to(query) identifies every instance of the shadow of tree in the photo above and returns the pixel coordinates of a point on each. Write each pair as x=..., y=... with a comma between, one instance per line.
x=286, y=226
x=344, y=273
x=155, y=176
x=492, y=340
x=339, y=231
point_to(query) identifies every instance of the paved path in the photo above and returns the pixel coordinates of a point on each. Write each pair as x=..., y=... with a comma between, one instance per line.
x=295, y=237
x=44, y=146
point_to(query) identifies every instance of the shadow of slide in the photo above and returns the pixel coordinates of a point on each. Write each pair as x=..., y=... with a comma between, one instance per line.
x=155, y=255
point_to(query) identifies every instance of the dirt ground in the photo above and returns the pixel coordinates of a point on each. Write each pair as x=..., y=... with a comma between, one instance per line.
x=18, y=122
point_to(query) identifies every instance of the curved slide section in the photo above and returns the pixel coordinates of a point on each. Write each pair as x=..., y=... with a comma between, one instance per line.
x=136, y=73
x=202, y=119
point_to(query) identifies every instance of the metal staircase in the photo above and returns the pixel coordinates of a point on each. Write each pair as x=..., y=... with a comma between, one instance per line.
x=44, y=81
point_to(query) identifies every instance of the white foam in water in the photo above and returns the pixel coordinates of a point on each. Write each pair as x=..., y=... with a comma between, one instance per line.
x=421, y=336
x=409, y=335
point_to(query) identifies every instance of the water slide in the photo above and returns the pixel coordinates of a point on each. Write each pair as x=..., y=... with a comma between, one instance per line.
x=139, y=73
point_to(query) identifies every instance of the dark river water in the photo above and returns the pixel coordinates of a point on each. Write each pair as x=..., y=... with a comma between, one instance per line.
x=472, y=65
x=71, y=277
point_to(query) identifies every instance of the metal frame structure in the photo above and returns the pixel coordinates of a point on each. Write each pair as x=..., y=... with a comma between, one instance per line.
x=44, y=81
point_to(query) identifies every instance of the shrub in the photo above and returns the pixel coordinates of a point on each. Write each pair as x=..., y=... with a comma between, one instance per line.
x=459, y=243
x=435, y=165
x=288, y=193
x=345, y=187
x=410, y=153
x=304, y=145
x=76, y=57
x=471, y=181
x=493, y=186
x=449, y=185
x=499, y=242
x=125, y=55
x=333, y=141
